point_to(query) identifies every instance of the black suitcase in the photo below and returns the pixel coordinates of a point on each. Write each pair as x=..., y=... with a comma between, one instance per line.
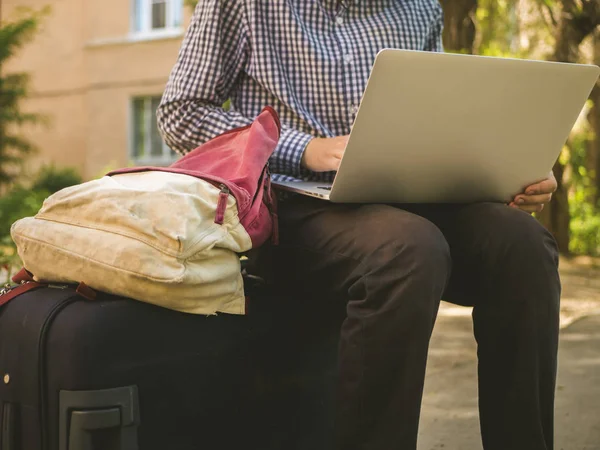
x=116, y=374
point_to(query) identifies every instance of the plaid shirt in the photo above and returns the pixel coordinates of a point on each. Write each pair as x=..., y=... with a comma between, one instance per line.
x=309, y=59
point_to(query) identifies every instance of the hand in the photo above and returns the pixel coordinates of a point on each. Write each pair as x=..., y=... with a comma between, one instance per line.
x=536, y=195
x=324, y=154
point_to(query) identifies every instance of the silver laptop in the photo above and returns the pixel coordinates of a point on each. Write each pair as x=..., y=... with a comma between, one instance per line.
x=439, y=128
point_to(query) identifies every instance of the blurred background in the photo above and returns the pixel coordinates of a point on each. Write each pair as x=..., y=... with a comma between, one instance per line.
x=80, y=82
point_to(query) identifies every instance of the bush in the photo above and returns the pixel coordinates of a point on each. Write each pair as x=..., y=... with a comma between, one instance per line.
x=52, y=179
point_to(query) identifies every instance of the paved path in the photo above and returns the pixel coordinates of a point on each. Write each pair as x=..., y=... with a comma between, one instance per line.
x=449, y=417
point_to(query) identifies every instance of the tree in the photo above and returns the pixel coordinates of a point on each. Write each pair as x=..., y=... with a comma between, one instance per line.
x=13, y=89
x=577, y=20
x=593, y=162
x=491, y=26
x=459, y=25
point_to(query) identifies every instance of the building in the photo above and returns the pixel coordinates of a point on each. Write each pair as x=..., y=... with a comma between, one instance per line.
x=98, y=69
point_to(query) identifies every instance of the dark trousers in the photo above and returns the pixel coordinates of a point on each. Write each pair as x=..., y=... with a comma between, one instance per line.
x=392, y=265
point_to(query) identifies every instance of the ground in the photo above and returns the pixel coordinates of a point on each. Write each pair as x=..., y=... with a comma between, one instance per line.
x=450, y=418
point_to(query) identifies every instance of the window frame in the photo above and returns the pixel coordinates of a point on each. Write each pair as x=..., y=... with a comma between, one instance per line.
x=168, y=156
x=174, y=12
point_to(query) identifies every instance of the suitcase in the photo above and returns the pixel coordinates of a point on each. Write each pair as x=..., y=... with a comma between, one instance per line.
x=116, y=374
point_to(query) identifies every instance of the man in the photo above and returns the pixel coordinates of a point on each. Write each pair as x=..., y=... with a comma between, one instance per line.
x=310, y=60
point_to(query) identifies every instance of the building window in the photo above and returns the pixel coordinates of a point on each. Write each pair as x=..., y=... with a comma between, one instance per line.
x=147, y=146
x=155, y=16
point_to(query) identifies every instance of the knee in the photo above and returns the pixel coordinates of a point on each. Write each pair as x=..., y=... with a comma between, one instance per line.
x=426, y=247
x=519, y=258
x=524, y=241
x=408, y=263
x=407, y=240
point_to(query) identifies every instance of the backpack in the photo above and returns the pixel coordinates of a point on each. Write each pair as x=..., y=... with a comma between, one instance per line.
x=169, y=236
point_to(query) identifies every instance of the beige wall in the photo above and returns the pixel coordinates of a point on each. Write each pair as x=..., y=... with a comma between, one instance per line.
x=85, y=67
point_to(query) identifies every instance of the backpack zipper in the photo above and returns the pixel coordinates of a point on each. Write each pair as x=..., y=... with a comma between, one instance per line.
x=222, y=204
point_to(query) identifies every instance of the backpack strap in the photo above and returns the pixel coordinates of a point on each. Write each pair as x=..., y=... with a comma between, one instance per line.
x=23, y=276
x=7, y=293
x=25, y=283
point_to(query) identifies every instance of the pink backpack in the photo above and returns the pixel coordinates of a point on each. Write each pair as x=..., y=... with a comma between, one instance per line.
x=167, y=236
x=237, y=161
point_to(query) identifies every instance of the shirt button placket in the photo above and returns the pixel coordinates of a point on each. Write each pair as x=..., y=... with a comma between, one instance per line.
x=347, y=60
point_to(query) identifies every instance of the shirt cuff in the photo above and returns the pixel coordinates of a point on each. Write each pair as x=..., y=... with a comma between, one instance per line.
x=287, y=158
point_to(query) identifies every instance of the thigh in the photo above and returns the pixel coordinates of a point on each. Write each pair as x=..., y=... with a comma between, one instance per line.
x=325, y=247
x=493, y=247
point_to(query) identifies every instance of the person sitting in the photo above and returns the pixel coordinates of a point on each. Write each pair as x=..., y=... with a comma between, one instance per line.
x=310, y=60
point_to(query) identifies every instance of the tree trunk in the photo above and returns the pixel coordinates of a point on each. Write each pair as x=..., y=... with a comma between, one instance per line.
x=556, y=216
x=459, y=25
x=577, y=21
x=593, y=155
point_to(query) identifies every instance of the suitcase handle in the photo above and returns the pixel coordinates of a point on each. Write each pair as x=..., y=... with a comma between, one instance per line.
x=85, y=423
x=86, y=414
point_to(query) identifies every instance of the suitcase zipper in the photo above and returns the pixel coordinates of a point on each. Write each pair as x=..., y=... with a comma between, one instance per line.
x=42, y=365
x=24, y=286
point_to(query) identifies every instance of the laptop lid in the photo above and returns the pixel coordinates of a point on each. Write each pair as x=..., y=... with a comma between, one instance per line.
x=438, y=127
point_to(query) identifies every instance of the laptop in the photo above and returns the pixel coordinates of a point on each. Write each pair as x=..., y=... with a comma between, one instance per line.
x=449, y=128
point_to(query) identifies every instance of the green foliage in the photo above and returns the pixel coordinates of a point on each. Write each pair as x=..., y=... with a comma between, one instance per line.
x=498, y=24
x=13, y=89
x=22, y=202
x=52, y=179
x=18, y=203
x=502, y=26
x=585, y=223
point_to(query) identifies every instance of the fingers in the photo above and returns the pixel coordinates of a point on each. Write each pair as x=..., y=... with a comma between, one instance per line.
x=536, y=196
x=532, y=199
x=532, y=208
x=529, y=208
x=338, y=153
x=531, y=203
x=332, y=161
x=547, y=186
x=336, y=158
x=324, y=154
